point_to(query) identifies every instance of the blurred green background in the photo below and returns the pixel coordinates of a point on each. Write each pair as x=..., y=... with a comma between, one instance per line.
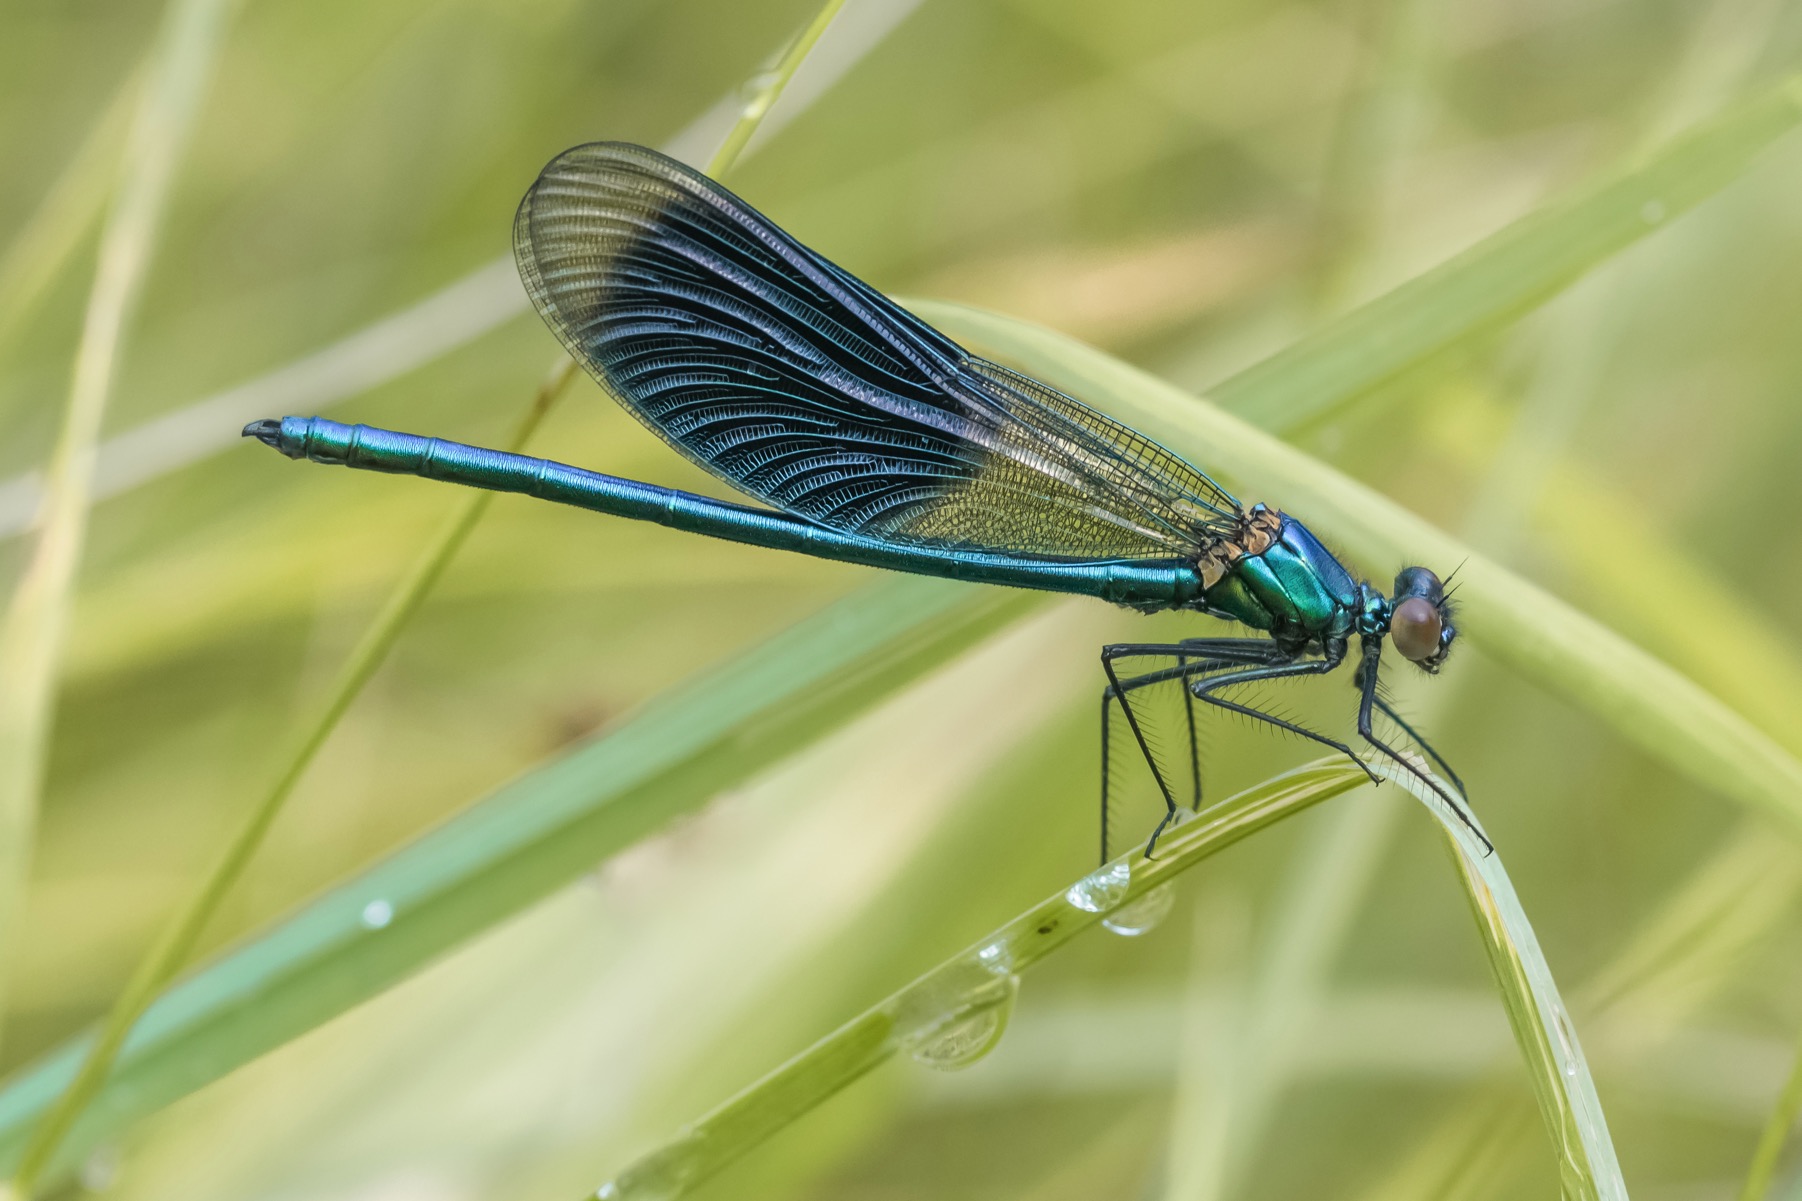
x=1188, y=186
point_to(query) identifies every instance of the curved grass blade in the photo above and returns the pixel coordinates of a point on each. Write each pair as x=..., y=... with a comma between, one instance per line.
x=204, y=1019
x=1507, y=273
x=175, y=944
x=430, y=328
x=962, y=1003
x=1481, y=289
x=32, y=628
x=964, y=1000
x=1587, y=1167
x=1649, y=704
x=1775, y=1134
x=1684, y=953
x=69, y=209
x=522, y=843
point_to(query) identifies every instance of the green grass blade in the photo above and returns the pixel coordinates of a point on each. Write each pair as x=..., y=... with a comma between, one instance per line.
x=1774, y=1135
x=32, y=629
x=519, y=845
x=964, y=1000
x=1743, y=655
x=74, y=202
x=1651, y=705
x=1686, y=951
x=769, y=90
x=175, y=944
x=1587, y=1167
x=961, y=1005
x=322, y=993
x=1507, y=273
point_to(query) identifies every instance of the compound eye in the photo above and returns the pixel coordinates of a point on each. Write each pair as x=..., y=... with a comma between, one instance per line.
x=1414, y=629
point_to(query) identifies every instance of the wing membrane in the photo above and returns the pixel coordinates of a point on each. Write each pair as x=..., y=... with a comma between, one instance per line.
x=799, y=384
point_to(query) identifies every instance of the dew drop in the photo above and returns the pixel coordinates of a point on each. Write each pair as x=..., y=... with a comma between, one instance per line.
x=756, y=93
x=664, y=1174
x=968, y=1032
x=100, y=1171
x=378, y=913
x=997, y=958
x=1100, y=890
x=1143, y=915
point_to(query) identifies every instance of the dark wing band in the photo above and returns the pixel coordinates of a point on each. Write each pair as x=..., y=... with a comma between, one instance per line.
x=802, y=386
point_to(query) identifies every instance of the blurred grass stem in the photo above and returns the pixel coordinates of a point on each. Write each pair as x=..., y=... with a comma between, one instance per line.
x=762, y=97
x=1775, y=1134
x=977, y=982
x=1462, y=298
x=71, y=206
x=170, y=952
x=1228, y=1086
x=1376, y=127
x=35, y=622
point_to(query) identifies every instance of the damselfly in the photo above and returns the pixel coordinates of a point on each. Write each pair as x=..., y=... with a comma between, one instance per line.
x=873, y=438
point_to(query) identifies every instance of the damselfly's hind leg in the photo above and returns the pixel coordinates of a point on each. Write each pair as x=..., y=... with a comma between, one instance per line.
x=1116, y=691
x=1188, y=662
x=1207, y=690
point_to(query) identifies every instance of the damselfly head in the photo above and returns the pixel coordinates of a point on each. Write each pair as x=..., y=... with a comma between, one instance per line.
x=1420, y=618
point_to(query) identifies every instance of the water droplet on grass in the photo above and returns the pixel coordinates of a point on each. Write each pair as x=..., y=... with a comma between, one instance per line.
x=1143, y=915
x=100, y=1171
x=968, y=1032
x=378, y=913
x=666, y=1173
x=1100, y=890
x=755, y=96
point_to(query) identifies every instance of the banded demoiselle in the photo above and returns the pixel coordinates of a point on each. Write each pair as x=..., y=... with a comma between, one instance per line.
x=873, y=438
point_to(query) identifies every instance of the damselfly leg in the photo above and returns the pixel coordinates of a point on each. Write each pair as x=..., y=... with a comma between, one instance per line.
x=1204, y=667
x=1369, y=702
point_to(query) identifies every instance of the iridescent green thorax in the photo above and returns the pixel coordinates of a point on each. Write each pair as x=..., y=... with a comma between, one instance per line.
x=1287, y=583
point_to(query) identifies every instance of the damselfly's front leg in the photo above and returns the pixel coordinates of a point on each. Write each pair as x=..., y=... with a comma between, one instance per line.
x=1368, y=701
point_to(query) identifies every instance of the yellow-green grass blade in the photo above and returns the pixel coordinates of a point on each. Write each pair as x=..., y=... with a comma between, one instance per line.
x=69, y=209
x=962, y=1004
x=1587, y=1167
x=1689, y=949
x=174, y=946
x=769, y=88
x=1506, y=274
x=1743, y=655
x=33, y=625
x=958, y=1009
x=1772, y=1139
x=952, y=610
x=517, y=846
x=1542, y=638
